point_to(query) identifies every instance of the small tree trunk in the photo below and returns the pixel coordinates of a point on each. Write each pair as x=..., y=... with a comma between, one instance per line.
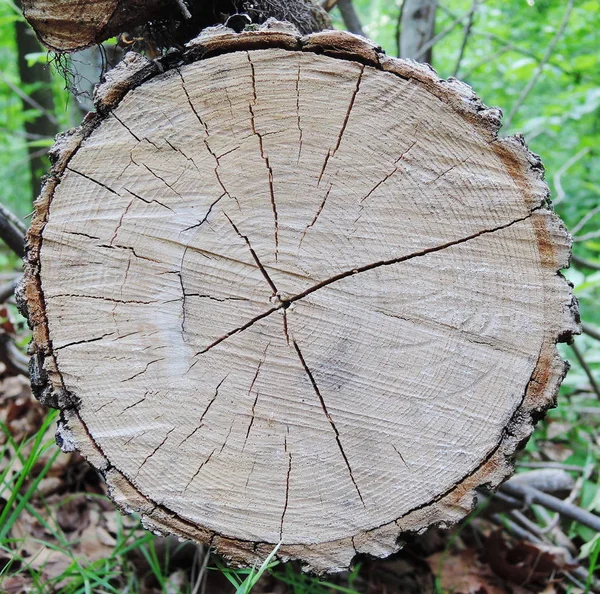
x=416, y=28
x=296, y=292
x=43, y=125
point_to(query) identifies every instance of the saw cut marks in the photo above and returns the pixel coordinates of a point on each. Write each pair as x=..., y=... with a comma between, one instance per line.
x=301, y=299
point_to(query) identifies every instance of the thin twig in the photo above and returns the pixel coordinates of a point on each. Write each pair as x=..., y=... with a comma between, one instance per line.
x=573, y=495
x=13, y=218
x=557, y=178
x=587, y=236
x=531, y=495
x=11, y=236
x=488, y=59
x=590, y=214
x=586, y=368
x=448, y=29
x=536, y=75
x=7, y=290
x=585, y=263
x=12, y=357
x=590, y=331
x=350, y=17
x=517, y=49
x=557, y=465
x=577, y=575
x=466, y=35
x=528, y=524
x=25, y=97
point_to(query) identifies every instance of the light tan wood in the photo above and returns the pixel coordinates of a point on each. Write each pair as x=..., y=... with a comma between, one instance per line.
x=287, y=296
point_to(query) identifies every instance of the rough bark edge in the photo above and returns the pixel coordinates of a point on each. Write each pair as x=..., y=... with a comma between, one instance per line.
x=541, y=390
x=112, y=18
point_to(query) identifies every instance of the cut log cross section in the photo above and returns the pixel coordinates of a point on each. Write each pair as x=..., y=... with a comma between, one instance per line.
x=295, y=292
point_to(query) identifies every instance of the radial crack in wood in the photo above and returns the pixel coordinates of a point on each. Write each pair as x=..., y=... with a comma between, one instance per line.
x=291, y=290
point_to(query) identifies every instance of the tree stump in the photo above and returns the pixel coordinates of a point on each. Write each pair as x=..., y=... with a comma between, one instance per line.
x=289, y=290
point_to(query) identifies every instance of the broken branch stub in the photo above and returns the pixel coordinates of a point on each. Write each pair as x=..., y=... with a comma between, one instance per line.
x=296, y=291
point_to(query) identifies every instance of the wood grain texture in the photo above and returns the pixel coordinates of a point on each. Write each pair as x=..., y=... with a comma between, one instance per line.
x=292, y=290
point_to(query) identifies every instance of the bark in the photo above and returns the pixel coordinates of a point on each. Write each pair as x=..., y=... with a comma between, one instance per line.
x=416, y=28
x=43, y=125
x=64, y=25
x=297, y=293
x=69, y=26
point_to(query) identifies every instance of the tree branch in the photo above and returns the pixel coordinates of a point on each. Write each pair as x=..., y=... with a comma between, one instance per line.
x=586, y=368
x=585, y=263
x=591, y=331
x=466, y=35
x=8, y=289
x=350, y=17
x=11, y=236
x=531, y=495
x=560, y=193
x=446, y=31
x=533, y=80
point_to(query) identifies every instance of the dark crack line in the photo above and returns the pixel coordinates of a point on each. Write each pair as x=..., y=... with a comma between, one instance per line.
x=134, y=404
x=250, y=474
x=390, y=262
x=64, y=346
x=198, y=471
x=401, y=456
x=227, y=437
x=389, y=175
x=114, y=115
x=110, y=299
x=220, y=300
x=183, y=296
x=204, y=126
x=318, y=213
x=328, y=416
x=143, y=370
x=163, y=180
x=129, y=248
x=104, y=405
x=358, y=270
x=287, y=486
x=332, y=152
x=148, y=201
x=205, y=412
x=254, y=255
x=205, y=218
x=260, y=364
x=264, y=157
x=361, y=206
x=154, y=451
x=82, y=234
x=286, y=330
x=97, y=182
x=462, y=162
x=102, y=185
x=114, y=235
x=237, y=330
